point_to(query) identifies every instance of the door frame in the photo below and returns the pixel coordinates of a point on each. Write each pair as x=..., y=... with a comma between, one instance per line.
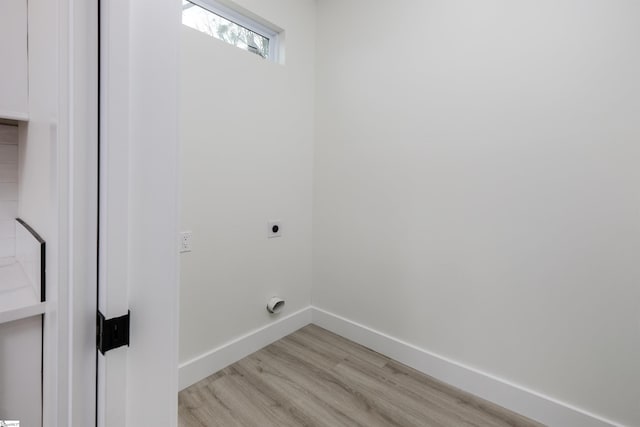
x=150, y=286
x=69, y=321
x=139, y=209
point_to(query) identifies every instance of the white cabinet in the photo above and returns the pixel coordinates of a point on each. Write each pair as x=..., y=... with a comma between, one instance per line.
x=22, y=292
x=13, y=60
x=21, y=370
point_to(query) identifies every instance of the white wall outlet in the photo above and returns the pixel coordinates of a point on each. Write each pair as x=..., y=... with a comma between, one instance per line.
x=274, y=229
x=185, y=241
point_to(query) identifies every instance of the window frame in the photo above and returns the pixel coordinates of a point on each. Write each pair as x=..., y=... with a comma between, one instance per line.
x=241, y=19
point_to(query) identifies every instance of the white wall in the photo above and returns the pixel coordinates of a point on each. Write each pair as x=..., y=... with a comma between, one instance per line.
x=247, y=146
x=476, y=186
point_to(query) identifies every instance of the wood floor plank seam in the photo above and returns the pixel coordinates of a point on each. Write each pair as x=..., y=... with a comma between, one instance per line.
x=328, y=381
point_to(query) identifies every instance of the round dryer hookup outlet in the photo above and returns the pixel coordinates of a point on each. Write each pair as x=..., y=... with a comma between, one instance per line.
x=275, y=305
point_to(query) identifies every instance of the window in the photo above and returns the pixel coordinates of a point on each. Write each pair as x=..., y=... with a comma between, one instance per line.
x=228, y=25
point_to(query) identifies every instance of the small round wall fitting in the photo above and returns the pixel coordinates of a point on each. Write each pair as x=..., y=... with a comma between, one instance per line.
x=275, y=305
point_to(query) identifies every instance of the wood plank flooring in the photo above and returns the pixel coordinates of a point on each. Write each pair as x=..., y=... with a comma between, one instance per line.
x=315, y=378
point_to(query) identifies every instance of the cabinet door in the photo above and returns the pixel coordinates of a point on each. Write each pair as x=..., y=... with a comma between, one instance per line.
x=21, y=370
x=13, y=60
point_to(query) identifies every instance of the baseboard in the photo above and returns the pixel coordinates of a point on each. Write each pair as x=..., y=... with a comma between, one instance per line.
x=526, y=402
x=211, y=362
x=511, y=396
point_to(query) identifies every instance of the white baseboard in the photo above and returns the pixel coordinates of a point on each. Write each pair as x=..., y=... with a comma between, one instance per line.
x=529, y=403
x=526, y=402
x=211, y=362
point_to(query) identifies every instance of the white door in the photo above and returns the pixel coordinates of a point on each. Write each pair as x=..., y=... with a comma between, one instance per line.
x=138, y=256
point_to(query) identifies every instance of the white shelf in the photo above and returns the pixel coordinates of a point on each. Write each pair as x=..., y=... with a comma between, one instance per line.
x=13, y=115
x=18, y=299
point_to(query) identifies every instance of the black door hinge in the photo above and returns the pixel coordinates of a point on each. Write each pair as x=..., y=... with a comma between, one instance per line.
x=112, y=333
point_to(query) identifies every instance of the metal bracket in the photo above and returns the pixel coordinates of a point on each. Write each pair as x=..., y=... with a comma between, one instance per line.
x=112, y=333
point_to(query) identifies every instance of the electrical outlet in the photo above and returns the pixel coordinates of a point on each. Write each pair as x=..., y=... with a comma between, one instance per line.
x=274, y=229
x=185, y=241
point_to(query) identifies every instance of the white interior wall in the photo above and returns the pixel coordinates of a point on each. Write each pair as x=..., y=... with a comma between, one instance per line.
x=476, y=172
x=247, y=147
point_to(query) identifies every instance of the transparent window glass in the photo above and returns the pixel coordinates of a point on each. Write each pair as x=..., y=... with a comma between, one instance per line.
x=221, y=28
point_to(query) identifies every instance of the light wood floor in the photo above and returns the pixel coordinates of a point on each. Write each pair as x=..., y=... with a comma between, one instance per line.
x=315, y=378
